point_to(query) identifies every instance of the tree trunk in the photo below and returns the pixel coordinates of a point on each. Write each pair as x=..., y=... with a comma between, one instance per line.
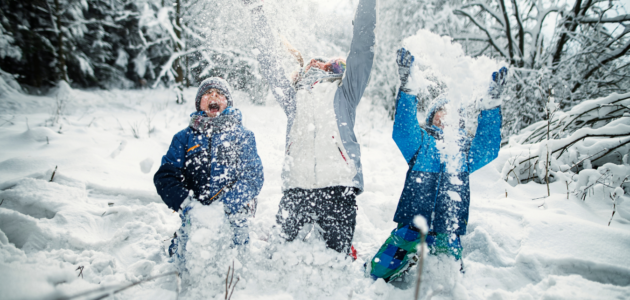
x=61, y=60
x=570, y=24
x=508, y=33
x=521, y=34
x=179, y=70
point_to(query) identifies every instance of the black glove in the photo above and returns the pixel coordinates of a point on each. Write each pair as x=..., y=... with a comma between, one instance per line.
x=404, y=59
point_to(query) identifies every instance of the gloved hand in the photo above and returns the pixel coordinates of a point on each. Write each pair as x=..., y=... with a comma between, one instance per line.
x=404, y=59
x=495, y=90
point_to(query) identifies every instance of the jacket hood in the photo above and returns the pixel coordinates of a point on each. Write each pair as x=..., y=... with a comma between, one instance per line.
x=435, y=106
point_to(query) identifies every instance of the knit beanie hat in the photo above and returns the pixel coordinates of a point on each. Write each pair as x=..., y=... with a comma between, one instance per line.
x=214, y=83
x=439, y=104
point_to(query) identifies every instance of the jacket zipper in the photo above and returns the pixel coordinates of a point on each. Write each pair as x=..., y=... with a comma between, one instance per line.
x=340, y=152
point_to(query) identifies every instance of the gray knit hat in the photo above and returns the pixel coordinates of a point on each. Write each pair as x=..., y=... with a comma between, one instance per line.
x=214, y=83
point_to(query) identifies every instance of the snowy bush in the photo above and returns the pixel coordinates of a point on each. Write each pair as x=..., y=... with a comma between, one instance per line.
x=587, y=149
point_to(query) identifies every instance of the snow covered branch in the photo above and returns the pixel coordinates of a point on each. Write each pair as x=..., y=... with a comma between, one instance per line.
x=168, y=66
x=592, y=135
x=487, y=9
x=617, y=19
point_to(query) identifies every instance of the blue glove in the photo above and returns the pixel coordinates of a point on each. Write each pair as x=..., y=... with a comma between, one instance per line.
x=404, y=59
x=495, y=90
x=498, y=82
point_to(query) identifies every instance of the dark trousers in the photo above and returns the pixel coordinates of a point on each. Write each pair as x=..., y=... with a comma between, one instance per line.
x=334, y=209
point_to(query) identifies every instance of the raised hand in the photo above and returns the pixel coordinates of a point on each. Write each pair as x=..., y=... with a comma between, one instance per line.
x=404, y=59
x=496, y=88
x=498, y=82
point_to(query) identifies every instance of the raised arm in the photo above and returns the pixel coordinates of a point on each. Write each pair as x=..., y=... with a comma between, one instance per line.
x=487, y=141
x=407, y=132
x=267, y=57
x=485, y=146
x=361, y=58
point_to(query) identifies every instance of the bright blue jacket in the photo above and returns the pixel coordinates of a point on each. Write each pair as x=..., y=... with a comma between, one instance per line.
x=427, y=183
x=205, y=165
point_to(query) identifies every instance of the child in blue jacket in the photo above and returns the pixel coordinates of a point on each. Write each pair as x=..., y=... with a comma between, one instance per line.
x=213, y=159
x=429, y=189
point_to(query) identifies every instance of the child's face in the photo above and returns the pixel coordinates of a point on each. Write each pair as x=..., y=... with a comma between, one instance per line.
x=438, y=117
x=213, y=102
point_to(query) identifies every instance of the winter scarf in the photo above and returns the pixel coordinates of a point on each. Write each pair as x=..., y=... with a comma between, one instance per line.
x=202, y=123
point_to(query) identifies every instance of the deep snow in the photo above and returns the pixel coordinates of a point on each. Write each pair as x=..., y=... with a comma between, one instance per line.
x=101, y=212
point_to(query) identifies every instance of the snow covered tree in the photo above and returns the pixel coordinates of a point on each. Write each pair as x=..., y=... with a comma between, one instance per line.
x=584, y=57
x=576, y=51
x=26, y=24
x=397, y=21
x=8, y=48
x=586, y=147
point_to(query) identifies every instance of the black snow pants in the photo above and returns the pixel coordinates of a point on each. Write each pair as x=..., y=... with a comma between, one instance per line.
x=334, y=209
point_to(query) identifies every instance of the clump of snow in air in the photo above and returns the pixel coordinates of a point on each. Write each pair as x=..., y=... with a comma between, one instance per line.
x=437, y=59
x=441, y=64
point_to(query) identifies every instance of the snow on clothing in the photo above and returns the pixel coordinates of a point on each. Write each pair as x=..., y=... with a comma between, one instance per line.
x=213, y=156
x=177, y=249
x=321, y=152
x=427, y=185
x=321, y=147
x=399, y=252
x=332, y=208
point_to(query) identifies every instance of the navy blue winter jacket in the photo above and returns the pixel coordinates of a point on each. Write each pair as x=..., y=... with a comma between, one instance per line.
x=427, y=186
x=204, y=165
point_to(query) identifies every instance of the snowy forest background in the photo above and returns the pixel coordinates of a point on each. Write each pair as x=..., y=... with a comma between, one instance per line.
x=569, y=50
x=99, y=87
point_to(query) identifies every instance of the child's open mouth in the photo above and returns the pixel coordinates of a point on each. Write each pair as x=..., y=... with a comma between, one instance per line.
x=214, y=107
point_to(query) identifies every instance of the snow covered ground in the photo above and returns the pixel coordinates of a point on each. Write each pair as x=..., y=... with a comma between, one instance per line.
x=100, y=223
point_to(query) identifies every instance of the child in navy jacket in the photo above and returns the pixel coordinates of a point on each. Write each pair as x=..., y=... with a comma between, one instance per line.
x=213, y=159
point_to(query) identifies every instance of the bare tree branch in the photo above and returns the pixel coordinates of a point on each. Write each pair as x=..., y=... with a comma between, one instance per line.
x=604, y=60
x=508, y=32
x=484, y=7
x=482, y=28
x=617, y=19
x=570, y=25
x=521, y=31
